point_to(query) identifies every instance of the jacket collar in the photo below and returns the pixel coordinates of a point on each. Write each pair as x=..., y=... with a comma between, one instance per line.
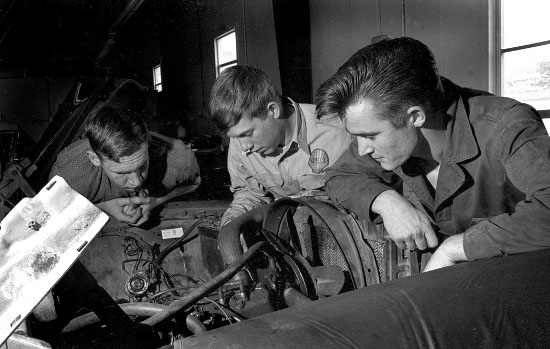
x=460, y=143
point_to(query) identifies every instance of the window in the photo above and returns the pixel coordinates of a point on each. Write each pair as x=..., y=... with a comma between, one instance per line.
x=226, y=51
x=157, y=79
x=522, y=67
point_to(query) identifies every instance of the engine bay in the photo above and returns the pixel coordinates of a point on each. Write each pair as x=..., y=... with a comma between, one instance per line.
x=182, y=276
x=297, y=272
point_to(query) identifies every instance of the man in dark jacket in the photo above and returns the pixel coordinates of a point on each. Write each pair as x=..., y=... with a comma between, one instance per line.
x=474, y=167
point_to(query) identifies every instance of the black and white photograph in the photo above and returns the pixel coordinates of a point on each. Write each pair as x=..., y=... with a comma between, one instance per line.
x=272, y=174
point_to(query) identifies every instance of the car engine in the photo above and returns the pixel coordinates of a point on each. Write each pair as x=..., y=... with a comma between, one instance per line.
x=182, y=275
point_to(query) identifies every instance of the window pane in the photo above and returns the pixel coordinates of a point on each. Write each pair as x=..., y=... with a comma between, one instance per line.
x=227, y=48
x=526, y=76
x=156, y=75
x=157, y=78
x=524, y=22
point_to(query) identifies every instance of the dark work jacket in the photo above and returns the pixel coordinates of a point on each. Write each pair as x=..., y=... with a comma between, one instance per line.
x=494, y=179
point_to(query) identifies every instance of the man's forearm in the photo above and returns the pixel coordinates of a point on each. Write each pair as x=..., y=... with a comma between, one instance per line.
x=385, y=201
x=244, y=200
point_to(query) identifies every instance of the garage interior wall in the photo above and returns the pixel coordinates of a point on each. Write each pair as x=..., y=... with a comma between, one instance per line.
x=457, y=32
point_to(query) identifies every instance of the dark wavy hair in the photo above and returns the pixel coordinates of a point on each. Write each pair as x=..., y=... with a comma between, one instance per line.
x=116, y=132
x=393, y=74
x=240, y=91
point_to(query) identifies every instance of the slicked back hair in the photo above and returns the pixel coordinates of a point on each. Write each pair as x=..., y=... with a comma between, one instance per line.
x=240, y=91
x=393, y=75
x=116, y=132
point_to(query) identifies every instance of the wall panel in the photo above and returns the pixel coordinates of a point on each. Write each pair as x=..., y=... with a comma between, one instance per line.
x=457, y=33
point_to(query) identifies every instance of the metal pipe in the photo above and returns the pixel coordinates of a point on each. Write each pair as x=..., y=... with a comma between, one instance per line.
x=134, y=309
x=204, y=289
x=131, y=309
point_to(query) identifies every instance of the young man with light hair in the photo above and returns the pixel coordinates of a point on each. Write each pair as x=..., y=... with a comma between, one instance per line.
x=277, y=147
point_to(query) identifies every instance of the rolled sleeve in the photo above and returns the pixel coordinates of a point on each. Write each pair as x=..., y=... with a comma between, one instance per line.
x=248, y=193
x=183, y=168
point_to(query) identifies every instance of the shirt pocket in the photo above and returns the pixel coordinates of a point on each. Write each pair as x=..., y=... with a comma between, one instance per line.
x=271, y=180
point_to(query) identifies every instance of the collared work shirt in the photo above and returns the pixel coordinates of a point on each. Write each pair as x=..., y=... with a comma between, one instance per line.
x=257, y=179
x=493, y=184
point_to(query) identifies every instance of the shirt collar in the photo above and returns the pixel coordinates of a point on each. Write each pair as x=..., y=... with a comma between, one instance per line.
x=300, y=130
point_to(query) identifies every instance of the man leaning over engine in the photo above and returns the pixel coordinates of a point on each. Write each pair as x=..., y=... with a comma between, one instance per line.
x=124, y=169
x=277, y=148
x=474, y=166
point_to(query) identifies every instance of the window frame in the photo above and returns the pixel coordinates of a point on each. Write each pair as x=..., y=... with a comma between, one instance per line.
x=219, y=67
x=157, y=85
x=495, y=47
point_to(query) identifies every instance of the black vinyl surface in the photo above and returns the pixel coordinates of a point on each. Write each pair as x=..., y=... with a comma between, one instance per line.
x=492, y=303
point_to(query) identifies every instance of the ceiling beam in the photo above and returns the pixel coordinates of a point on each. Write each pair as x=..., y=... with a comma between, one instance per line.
x=128, y=11
x=8, y=18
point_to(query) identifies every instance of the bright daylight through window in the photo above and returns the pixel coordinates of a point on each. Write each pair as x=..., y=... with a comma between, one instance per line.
x=525, y=51
x=157, y=78
x=226, y=51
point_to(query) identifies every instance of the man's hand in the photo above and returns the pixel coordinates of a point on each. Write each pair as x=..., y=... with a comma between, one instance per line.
x=146, y=210
x=450, y=252
x=125, y=210
x=407, y=226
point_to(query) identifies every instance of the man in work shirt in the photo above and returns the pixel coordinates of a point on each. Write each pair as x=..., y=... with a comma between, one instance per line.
x=277, y=147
